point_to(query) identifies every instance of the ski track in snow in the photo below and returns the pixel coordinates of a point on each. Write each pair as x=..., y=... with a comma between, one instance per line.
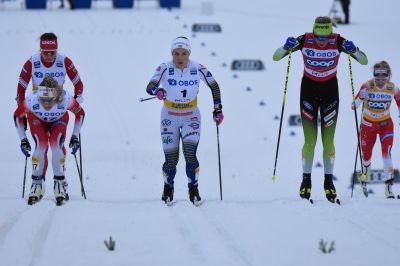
x=226, y=239
x=41, y=237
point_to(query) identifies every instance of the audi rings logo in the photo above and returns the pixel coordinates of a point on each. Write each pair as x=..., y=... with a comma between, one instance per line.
x=247, y=64
x=324, y=63
x=166, y=122
x=206, y=27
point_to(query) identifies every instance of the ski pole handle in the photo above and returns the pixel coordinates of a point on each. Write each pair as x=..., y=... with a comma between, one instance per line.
x=146, y=99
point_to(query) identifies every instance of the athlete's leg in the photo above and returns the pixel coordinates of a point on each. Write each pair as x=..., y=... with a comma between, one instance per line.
x=40, y=136
x=170, y=135
x=309, y=117
x=57, y=137
x=191, y=128
x=386, y=138
x=368, y=132
x=329, y=112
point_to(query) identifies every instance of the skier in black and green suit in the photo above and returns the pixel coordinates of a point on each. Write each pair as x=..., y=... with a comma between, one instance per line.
x=319, y=92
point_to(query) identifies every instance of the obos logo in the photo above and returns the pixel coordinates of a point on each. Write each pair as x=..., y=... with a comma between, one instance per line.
x=324, y=63
x=310, y=52
x=55, y=74
x=39, y=75
x=172, y=82
x=379, y=96
x=187, y=82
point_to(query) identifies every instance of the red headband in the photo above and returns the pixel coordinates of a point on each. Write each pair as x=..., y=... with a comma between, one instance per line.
x=48, y=45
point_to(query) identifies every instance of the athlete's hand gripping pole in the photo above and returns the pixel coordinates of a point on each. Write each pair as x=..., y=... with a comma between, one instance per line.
x=283, y=108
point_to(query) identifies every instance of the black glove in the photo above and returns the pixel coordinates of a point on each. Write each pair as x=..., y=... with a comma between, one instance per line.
x=74, y=144
x=25, y=121
x=25, y=147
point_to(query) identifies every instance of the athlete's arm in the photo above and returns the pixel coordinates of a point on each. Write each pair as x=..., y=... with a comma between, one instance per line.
x=19, y=113
x=73, y=75
x=361, y=95
x=357, y=54
x=281, y=52
x=155, y=80
x=208, y=78
x=75, y=108
x=23, y=82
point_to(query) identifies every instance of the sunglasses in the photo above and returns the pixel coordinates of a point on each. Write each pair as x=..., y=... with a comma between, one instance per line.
x=381, y=73
x=48, y=52
x=322, y=38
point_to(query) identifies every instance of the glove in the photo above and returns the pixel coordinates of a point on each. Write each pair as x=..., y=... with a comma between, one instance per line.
x=79, y=98
x=25, y=121
x=363, y=94
x=291, y=43
x=25, y=147
x=349, y=46
x=161, y=94
x=218, y=116
x=74, y=144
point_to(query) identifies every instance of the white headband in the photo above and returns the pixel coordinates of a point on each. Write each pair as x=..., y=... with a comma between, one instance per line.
x=180, y=43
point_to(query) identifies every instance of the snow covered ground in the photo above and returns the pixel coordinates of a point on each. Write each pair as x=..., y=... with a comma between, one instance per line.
x=258, y=222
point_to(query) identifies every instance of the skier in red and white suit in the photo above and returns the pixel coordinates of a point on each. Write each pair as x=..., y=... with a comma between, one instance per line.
x=376, y=95
x=48, y=62
x=48, y=119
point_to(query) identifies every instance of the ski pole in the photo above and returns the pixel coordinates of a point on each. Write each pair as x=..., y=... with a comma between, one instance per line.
x=80, y=158
x=146, y=99
x=80, y=177
x=283, y=108
x=219, y=162
x=356, y=119
x=23, y=185
x=354, y=173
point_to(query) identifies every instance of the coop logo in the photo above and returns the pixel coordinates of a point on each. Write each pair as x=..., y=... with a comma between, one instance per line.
x=323, y=63
x=378, y=105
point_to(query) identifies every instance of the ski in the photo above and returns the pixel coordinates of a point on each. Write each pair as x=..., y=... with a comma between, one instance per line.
x=337, y=201
x=197, y=203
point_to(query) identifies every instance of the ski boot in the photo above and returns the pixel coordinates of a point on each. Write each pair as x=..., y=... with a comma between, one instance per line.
x=37, y=189
x=364, y=177
x=59, y=191
x=168, y=194
x=330, y=190
x=305, y=187
x=388, y=189
x=364, y=188
x=194, y=195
